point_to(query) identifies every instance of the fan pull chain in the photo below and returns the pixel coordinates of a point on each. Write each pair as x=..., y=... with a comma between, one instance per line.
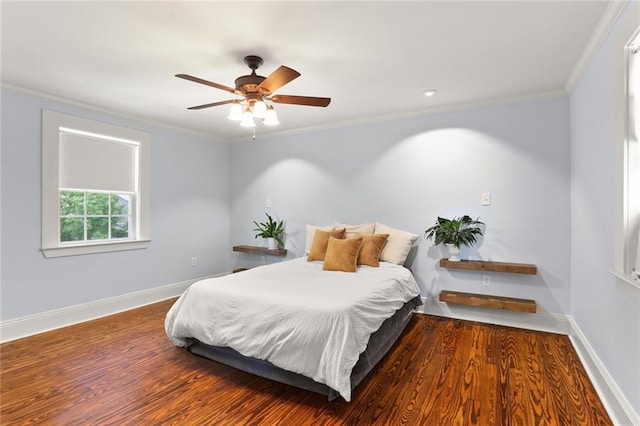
x=254, y=134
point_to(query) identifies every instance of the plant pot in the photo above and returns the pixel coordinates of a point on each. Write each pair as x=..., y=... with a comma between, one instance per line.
x=272, y=243
x=454, y=253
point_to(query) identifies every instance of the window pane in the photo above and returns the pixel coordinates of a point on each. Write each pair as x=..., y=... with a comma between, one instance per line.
x=71, y=229
x=97, y=204
x=120, y=204
x=120, y=227
x=97, y=228
x=71, y=203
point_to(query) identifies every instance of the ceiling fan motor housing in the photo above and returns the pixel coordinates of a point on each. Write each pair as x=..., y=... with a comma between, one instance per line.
x=249, y=83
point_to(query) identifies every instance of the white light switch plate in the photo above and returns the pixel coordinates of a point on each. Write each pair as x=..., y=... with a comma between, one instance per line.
x=485, y=198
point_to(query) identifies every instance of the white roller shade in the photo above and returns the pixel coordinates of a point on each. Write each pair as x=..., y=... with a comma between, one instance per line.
x=97, y=164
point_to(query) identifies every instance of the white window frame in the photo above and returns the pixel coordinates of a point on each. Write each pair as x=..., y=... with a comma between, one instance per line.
x=52, y=121
x=632, y=170
x=627, y=156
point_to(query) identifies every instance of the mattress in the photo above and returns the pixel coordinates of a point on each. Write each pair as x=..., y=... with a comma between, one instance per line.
x=294, y=315
x=380, y=342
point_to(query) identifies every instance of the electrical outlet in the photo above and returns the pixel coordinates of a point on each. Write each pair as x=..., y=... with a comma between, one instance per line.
x=194, y=261
x=267, y=203
x=486, y=280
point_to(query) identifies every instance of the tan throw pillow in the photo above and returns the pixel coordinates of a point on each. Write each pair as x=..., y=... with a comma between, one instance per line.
x=311, y=229
x=320, y=242
x=398, y=245
x=342, y=255
x=371, y=248
x=354, y=231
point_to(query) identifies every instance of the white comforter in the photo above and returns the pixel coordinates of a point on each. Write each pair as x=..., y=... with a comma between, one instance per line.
x=294, y=314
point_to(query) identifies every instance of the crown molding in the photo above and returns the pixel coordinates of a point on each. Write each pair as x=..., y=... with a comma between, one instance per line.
x=95, y=108
x=599, y=34
x=481, y=103
x=488, y=102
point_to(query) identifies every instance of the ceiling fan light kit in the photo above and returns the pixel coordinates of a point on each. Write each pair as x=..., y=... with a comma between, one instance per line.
x=247, y=118
x=235, y=114
x=259, y=109
x=271, y=118
x=255, y=91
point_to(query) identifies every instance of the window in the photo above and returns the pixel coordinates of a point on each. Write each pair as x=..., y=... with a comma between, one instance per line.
x=95, y=187
x=94, y=216
x=633, y=161
x=627, y=127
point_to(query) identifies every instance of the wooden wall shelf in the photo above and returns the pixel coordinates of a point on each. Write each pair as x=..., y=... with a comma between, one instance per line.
x=486, y=301
x=485, y=265
x=261, y=250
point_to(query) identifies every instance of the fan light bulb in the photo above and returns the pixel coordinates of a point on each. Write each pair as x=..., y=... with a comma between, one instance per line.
x=235, y=113
x=271, y=118
x=247, y=119
x=259, y=109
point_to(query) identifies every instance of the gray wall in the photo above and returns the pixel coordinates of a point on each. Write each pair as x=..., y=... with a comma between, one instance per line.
x=606, y=309
x=190, y=217
x=406, y=172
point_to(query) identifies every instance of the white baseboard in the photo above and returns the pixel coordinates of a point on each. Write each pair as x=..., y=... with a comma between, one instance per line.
x=33, y=324
x=616, y=404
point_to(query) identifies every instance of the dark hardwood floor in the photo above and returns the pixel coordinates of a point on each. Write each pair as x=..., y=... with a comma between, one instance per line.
x=122, y=370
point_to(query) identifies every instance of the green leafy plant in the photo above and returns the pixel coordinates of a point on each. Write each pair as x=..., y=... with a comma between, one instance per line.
x=270, y=229
x=457, y=231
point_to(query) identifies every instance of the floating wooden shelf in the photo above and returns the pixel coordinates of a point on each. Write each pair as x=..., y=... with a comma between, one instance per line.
x=261, y=250
x=486, y=301
x=485, y=265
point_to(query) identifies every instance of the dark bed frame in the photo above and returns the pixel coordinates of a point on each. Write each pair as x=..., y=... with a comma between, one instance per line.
x=379, y=344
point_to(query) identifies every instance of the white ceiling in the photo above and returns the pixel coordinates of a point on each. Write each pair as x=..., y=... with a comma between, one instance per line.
x=374, y=59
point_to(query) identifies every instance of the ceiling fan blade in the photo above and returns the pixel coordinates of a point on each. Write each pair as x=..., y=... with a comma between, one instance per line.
x=278, y=78
x=301, y=100
x=206, y=83
x=230, y=101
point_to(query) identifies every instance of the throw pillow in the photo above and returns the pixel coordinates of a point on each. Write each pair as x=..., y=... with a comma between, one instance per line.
x=398, y=245
x=371, y=248
x=342, y=255
x=320, y=242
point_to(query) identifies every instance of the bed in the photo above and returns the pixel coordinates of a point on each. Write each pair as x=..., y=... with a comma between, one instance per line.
x=296, y=323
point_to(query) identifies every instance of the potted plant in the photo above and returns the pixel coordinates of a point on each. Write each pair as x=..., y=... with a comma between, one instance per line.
x=455, y=232
x=271, y=230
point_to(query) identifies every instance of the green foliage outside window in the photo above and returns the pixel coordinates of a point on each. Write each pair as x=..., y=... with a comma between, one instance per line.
x=90, y=216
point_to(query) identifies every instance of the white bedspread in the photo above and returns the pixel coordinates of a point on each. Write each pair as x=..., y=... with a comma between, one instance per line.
x=294, y=314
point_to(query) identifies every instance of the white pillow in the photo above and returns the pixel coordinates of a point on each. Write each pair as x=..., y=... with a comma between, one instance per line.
x=354, y=230
x=311, y=230
x=398, y=244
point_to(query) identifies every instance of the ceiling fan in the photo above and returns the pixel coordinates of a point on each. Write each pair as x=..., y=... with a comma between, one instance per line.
x=254, y=90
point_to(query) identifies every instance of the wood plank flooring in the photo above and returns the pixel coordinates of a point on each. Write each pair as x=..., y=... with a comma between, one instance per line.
x=122, y=370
